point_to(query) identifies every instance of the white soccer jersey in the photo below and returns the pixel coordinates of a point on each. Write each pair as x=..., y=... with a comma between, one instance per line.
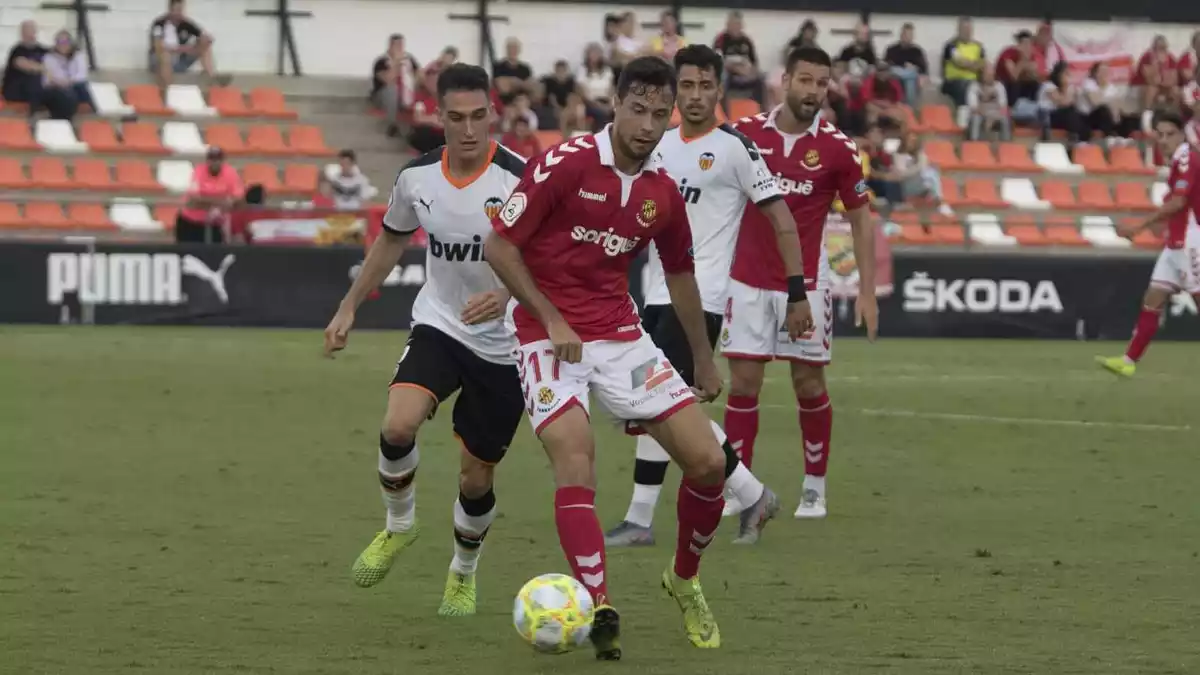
x=456, y=215
x=717, y=173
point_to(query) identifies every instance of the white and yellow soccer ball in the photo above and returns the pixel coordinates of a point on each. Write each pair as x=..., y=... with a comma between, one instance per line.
x=553, y=612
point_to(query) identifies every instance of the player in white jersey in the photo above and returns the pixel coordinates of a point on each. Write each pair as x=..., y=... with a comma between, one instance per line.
x=460, y=340
x=718, y=171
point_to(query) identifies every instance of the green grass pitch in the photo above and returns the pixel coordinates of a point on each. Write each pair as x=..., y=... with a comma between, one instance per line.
x=190, y=501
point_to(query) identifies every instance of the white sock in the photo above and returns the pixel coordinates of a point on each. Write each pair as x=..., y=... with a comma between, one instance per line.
x=815, y=483
x=469, y=532
x=1129, y=361
x=645, y=497
x=741, y=483
x=401, y=502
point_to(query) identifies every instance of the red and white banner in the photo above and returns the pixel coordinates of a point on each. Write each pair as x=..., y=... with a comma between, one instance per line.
x=1084, y=49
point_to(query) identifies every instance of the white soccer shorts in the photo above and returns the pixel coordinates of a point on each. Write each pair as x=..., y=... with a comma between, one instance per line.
x=1178, y=269
x=754, y=326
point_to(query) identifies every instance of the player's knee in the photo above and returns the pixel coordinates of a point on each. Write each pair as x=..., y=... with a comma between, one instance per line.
x=808, y=382
x=398, y=434
x=745, y=381
x=708, y=469
x=475, y=477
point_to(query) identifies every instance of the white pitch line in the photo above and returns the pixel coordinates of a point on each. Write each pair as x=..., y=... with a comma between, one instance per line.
x=965, y=417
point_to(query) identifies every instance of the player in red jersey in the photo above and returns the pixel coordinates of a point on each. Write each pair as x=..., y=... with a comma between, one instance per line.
x=563, y=244
x=1178, y=266
x=815, y=164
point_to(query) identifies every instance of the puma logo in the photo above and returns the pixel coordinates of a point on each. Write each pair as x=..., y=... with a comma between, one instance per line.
x=427, y=204
x=195, y=267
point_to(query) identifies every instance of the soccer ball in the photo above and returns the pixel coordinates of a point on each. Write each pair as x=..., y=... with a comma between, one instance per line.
x=553, y=612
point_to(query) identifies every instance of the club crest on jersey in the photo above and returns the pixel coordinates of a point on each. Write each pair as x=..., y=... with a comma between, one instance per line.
x=649, y=211
x=812, y=160
x=492, y=207
x=706, y=161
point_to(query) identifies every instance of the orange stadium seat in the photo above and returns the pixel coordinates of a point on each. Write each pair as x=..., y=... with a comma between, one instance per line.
x=300, y=178
x=12, y=174
x=1064, y=234
x=308, y=140
x=1095, y=195
x=136, y=176
x=916, y=234
x=948, y=233
x=93, y=174
x=951, y=194
x=268, y=102
x=229, y=102
x=1014, y=157
x=266, y=140
x=941, y=154
x=743, y=107
x=939, y=119
x=266, y=175
x=1091, y=158
x=977, y=156
x=1023, y=228
x=142, y=138
x=45, y=214
x=1059, y=194
x=15, y=135
x=1133, y=197
x=99, y=136
x=146, y=99
x=165, y=214
x=981, y=192
x=10, y=216
x=910, y=120
x=49, y=173
x=1147, y=239
x=227, y=137
x=89, y=216
x=1129, y=160
x=548, y=139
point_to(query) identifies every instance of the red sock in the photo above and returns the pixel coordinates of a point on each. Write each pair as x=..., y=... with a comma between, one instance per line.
x=1143, y=333
x=699, y=511
x=816, y=425
x=581, y=538
x=741, y=426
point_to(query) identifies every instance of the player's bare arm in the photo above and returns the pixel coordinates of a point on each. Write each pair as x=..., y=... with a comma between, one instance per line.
x=799, y=319
x=382, y=257
x=685, y=298
x=506, y=260
x=1157, y=220
x=866, y=307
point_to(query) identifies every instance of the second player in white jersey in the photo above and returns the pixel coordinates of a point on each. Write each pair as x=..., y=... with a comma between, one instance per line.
x=717, y=173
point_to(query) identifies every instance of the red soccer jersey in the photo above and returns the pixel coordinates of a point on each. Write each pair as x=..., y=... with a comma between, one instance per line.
x=813, y=168
x=1187, y=66
x=580, y=224
x=1165, y=66
x=1183, y=181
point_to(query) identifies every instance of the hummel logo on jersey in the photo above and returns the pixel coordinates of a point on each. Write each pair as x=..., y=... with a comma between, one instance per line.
x=792, y=187
x=691, y=195
x=766, y=151
x=427, y=204
x=613, y=244
x=594, y=196
x=460, y=251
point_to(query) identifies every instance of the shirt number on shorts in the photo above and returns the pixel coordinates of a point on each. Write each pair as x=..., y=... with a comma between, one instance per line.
x=534, y=365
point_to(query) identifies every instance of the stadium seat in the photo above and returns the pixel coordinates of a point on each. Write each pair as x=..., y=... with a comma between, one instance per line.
x=941, y=154
x=1091, y=158
x=911, y=122
x=12, y=174
x=1019, y=192
x=99, y=136
x=186, y=100
x=1014, y=157
x=951, y=194
x=308, y=140
x=1025, y=231
x=1063, y=234
x=1132, y=197
x=58, y=137
x=948, y=233
x=985, y=230
x=916, y=235
x=1094, y=195
x=269, y=102
x=977, y=156
x=1148, y=239
x=49, y=173
x=1053, y=157
x=46, y=214
x=135, y=176
x=173, y=175
x=227, y=137
x=183, y=138
x=938, y=119
x=10, y=216
x=266, y=175
x=1129, y=160
x=229, y=102
x=1100, y=231
x=300, y=179
x=142, y=138
x=14, y=135
x=164, y=215
x=88, y=217
x=266, y=140
x=106, y=97
x=743, y=107
x=93, y=174
x=146, y=99
x=132, y=214
x=982, y=193
x=1059, y=194
x=1158, y=194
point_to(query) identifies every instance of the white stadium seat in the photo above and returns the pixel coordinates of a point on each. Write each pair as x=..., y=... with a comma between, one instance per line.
x=175, y=174
x=984, y=228
x=58, y=136
x=187, y=101
x=1158, y=193
x=891, y=145
x=1100, y=231
x=132, y=214
x=106, y=97
x=1053, y=157
x=962, y=116
x=183, y=138
x=1020, y=193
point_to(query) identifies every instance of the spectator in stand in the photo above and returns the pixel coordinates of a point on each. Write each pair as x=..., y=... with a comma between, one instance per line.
x=884, y=180
x=521, y=139
x=1019, y=69
x=962, y=60
x=1191, y=95
x=859, y=55
x=882, y=97
x=918, y=178
x=349, y=187
x=988, y=103
x=574, y=120
x=838, y=99
x=1157, y=77
x=427, y=131
x=668, y=41
x=23, y=71
x=612, y=30
x=806, y=37
x=1099, y=104
x=559, y=85
x=65, y=78
x=1046, y=51
x=176, y=43
x=393, y=79
x=1188, y=60
x=907, y=62
x=545, y=112
x=595, y=80
x=742, y=77
x=1056, y=101
x=447, y=58
x=627, y=46
x=520, y=108
x=214, y=191
x=511, y=75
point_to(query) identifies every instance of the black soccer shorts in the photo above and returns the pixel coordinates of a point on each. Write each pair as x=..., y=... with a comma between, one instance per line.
x=662, y=325
x=490, y=402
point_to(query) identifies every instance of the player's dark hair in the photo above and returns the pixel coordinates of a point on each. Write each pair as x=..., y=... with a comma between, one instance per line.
x=646, y=72
x=348, y=154
x=813, y=55
x=701, y=56
x=462, y=77
x=1168, y=117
